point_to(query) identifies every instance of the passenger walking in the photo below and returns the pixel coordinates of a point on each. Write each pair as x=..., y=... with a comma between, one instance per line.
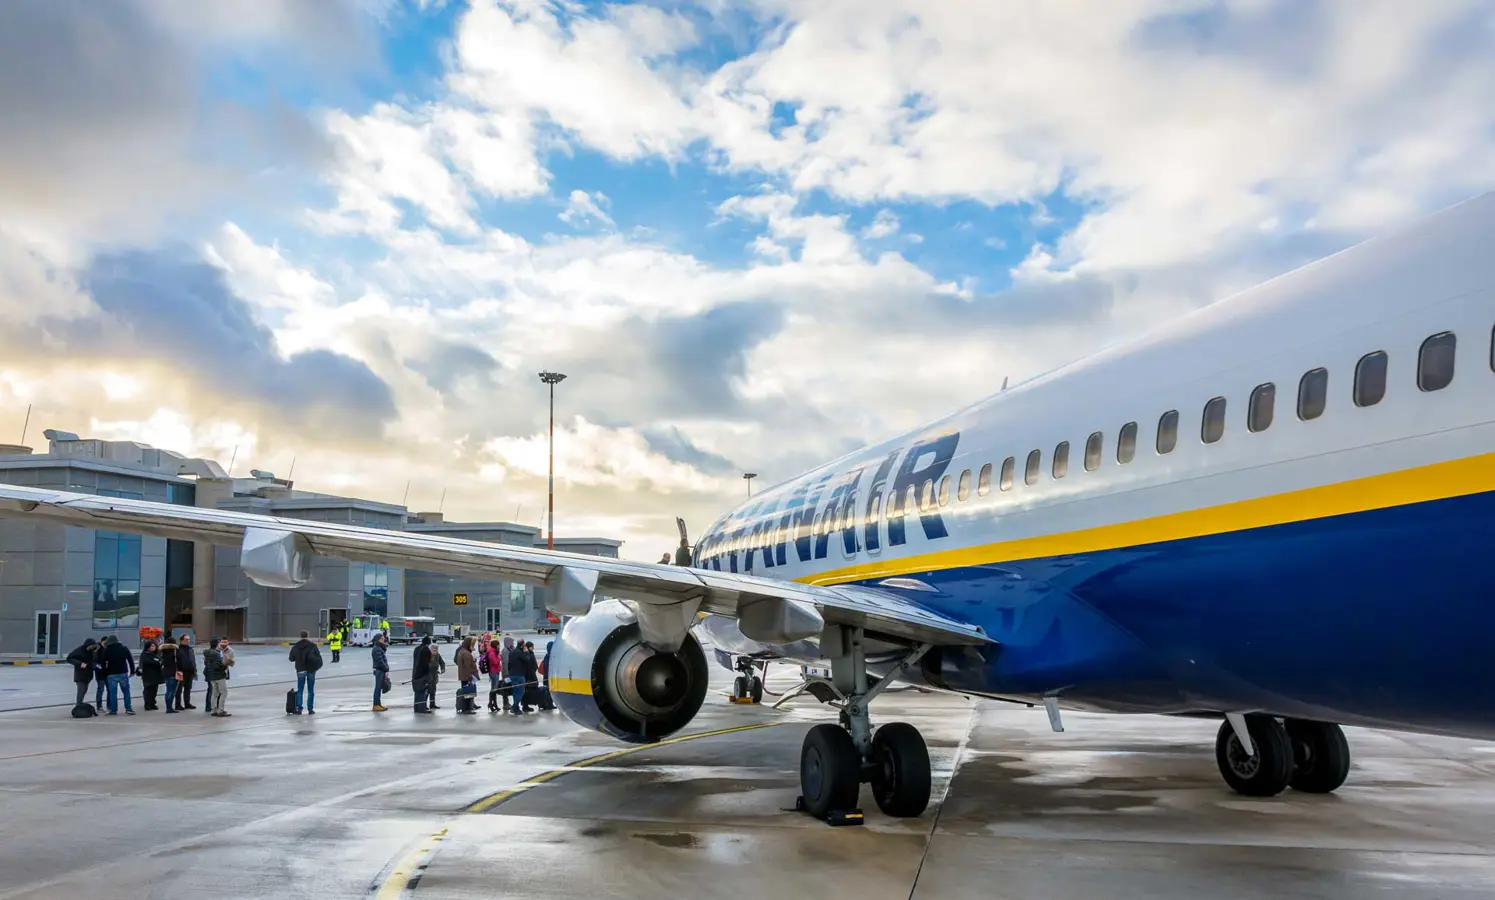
x=170, y=675
x=514, y=665
x=438, y=668
x=215, y=670
x=420, y=675
x=467, y=677
x=150, y=673
x=493, y=660
x=83, y=660
x=381, y=671
x=186, y=666
x=100, y=674
x=119, y=663
x=334, y=643
x=308, y=660
x=531, y=677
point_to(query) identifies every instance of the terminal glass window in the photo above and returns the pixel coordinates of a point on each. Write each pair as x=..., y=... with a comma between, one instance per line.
x=376, y=589
x=1435, y=362
x=1061, y=460
x=116, y=575
x=963, y=492
x=518, y=599
x=983, y=484
x=1168, y=431
x=1093, y=451
x=1263, y=403
x=1126, y=443
x=1031, y=475
x=1313, y=394
x=1370, y=378
x=1213, y=427
x=1009, y=466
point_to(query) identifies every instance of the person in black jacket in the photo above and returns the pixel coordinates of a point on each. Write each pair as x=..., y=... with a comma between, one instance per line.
x=381, y=670
x=186, y=664
x=215, y=670
x=308, y=660
x=100, y=674
x=119, y=663
x=169, y=674
x=150, y=673
x=420, y=675
x=83, y=660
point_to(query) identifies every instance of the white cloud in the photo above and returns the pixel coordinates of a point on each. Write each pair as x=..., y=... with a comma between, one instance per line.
x=583, y=209
x=884, y=224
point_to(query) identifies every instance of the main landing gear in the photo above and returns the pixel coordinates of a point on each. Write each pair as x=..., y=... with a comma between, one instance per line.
x=836, y=760
x=1260, y=756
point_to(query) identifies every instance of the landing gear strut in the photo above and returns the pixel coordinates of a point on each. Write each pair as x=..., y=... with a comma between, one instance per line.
x=1260, y=756
x=836, y=760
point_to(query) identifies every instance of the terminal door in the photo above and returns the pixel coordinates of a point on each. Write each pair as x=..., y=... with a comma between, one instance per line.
x=48, y=633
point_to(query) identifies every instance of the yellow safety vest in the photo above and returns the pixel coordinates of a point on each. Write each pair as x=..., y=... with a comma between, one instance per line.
x=357, y=623
x=335, y=641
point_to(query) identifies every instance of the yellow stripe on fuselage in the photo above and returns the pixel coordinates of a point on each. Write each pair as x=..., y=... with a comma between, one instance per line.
x=581, y=686
x=1455, y=478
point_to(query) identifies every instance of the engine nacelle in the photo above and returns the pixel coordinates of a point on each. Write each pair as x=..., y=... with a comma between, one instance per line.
x=604, y=678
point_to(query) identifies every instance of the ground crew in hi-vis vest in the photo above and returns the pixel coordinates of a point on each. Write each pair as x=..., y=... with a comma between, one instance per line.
x=335, y=643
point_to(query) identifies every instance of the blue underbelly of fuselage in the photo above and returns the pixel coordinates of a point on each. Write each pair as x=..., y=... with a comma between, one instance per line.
x=1380, y=618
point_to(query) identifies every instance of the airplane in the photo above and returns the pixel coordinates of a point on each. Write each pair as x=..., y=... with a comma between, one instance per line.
x=1145, y=530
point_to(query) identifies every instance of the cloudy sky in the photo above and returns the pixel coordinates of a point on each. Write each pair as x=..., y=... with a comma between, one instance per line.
x=753, y=234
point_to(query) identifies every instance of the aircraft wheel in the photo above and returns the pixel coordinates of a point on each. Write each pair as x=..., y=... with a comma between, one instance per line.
x=757, y=689
x=1321, y=756
x=829, y=771
x=1268, y=771
x=900, y=770
x=739, y=688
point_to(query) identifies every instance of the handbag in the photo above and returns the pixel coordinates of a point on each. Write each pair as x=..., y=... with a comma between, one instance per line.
x=386, y=685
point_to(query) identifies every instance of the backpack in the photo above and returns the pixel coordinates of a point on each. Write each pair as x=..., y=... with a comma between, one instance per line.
x=483, y=663
x=313, y=658
x=83, y=711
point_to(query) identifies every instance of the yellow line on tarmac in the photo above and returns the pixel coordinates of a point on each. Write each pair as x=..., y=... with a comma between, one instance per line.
x=408, y=870
x=493, y=800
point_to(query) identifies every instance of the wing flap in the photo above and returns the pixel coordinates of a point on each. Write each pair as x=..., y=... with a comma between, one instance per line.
x=881, y=612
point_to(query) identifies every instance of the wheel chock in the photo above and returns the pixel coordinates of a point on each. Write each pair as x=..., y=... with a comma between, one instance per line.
x=748, y=700
x=836, y=818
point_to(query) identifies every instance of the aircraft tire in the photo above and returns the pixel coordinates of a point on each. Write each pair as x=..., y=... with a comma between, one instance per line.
x=756, y=689
x=1321, y=756
x=1268, y=772
x=829, y=771
x=739, y=688
x=900, y=779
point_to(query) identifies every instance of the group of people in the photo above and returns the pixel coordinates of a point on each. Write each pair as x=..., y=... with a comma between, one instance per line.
x=511, y=669
x=110, y=665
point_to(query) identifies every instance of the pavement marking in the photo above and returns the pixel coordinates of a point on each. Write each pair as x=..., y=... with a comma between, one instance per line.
x=407, y=873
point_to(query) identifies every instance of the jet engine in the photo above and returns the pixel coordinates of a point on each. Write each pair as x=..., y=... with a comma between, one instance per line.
x=603, y=677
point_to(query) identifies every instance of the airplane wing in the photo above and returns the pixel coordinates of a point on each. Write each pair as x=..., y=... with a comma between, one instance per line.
x=881, y=613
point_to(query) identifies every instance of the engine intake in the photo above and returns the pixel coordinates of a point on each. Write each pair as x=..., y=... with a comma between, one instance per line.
x=603, y=676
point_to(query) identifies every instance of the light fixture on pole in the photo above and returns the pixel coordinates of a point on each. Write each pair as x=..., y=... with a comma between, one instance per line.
x=552, y=379
x=748, y=477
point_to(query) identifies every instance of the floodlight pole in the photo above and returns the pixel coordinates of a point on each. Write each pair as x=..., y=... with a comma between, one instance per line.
x=748, y=477
x=552, y=379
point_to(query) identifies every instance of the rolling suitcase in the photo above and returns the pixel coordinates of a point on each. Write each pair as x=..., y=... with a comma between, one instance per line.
x=290, y=703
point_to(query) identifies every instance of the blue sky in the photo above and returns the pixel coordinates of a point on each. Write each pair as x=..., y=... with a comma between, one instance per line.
x=342, y=188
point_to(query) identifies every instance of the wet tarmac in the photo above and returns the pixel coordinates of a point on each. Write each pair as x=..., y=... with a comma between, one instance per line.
x=350, y=803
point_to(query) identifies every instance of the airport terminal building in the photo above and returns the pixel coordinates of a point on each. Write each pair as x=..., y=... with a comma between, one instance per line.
x=61, y=584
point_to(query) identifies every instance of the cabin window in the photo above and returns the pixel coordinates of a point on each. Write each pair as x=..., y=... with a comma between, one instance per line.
x=1370, y=378
x=1492, y=350
x=926, y=500
x=874, y=510
x=1126, y=443
x=910, y=502
x=1031, y=475
x=945, y=490
x=1009, y=467
x=983, y=484
x=963, y=492
x=1168, y=431
x=1259, y=412
x=1313, y=393
x=1092, y=451
x=1435, y=361
x=1061, y=460
x=1213, y=426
